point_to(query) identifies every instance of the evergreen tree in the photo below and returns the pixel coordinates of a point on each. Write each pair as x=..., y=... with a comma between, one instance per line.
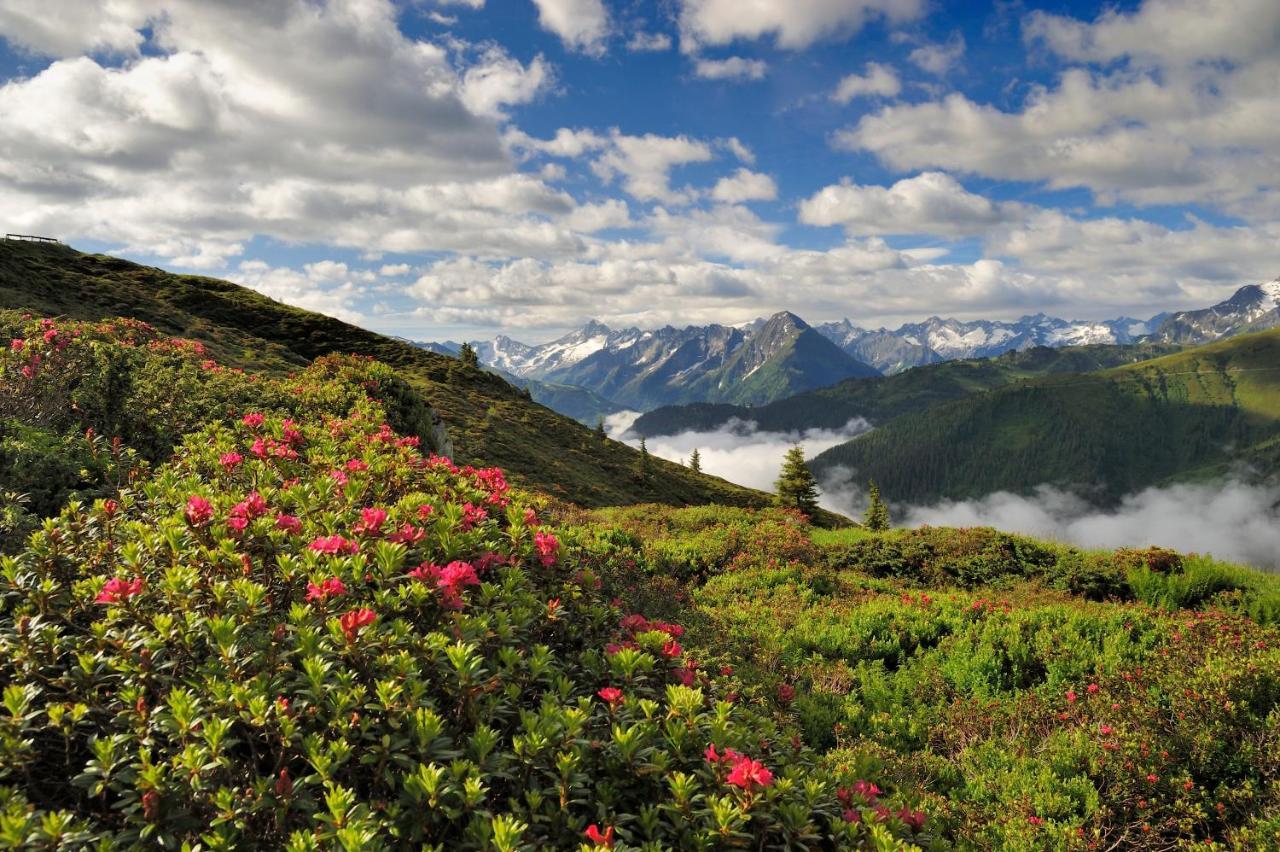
x=877, y=516
x=695, y=461
x=600, y=433
x=467, y=355
x=643, y=465
x=797, y=489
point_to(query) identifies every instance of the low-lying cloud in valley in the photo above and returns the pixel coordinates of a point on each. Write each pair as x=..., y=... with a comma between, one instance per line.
x=737, y=451
x=1230, y=519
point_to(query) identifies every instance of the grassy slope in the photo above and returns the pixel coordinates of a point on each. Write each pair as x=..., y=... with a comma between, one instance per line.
x=883, y=398
x=1193, y=414
x=489, y=421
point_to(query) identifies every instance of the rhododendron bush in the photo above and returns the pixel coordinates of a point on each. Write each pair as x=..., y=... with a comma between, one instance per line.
x=308, y=633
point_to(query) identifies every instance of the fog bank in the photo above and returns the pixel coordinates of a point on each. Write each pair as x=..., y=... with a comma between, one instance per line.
x=737, y=451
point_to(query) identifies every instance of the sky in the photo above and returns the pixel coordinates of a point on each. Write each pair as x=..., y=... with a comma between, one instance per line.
x=454, y=168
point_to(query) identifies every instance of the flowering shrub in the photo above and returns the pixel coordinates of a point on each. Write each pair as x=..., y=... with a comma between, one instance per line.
x=247, y=650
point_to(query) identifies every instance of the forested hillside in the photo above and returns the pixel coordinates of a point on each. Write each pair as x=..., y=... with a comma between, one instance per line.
x=883, y=398
x=1198, y=413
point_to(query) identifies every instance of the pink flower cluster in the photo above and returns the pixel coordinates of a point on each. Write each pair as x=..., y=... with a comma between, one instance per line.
x=370, y=523
x=245, y=511
x=744, y=772
x=547, y=547
x=330, y=588
x=199, y=511
x=450, y=580
x=335, y=545
x=353, y=621
x=117, y=590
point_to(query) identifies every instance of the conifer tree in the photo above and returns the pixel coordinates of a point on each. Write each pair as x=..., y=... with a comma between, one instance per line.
x=797, y=489
x=695, y=461
x=877, y=516
x=643, y=465
x=467, y=355
x=600, y=433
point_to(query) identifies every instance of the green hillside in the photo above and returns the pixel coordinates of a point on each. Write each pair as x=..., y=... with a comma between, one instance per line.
x=1195, y=413
x=883, y=398
x=488, y=421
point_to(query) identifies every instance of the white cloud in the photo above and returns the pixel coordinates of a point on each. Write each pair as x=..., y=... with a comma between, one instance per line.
x=75, y=26
x=930, y=203
x=731, y=68
x=500, y=81
x=745, y=185
x=1164, y=31
x=737, y=451
x=394, y=270
x=1181, y=108
x=938, y=58
x=645, y=162
x=1229, y=519
x=645, y=42
x=581, y=24
x=325, y=286
x=793, y=24
x=876, y=79
x=234, y=126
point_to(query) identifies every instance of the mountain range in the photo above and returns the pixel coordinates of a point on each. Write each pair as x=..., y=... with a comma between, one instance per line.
x=773, y=358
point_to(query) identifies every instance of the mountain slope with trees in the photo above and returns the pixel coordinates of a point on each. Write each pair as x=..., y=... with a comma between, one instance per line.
x=1201, y=412
x=883, y=398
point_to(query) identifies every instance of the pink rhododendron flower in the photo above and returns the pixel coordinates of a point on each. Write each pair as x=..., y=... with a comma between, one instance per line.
x=355, y=620
x=253, y=421
x=408, y=535
x=547, y=546
x=604, y=839
x=671, y=648
x=230, y=460
x=237, y=524
x=356, y=466
x=117, y=590
x=330, y=588
x=289, y=524
x=425, y=512
x=1092, y=688
x=749, y=774
x=199, y=511
x=334, y=545
x=1071, y=696
x=611, y=695
x=530, y=517
x=110, y=507
x=472, y=515
x=17, y=345
x=371, y=521
x=786, y=693
x=914, y=819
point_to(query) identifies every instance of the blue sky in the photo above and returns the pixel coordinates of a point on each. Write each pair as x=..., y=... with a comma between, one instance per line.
x=445, y=169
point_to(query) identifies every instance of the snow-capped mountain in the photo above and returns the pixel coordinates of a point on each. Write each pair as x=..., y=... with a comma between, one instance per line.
x=1252, y=308
x=762, y=361
x=938, y=339
x=770, y=358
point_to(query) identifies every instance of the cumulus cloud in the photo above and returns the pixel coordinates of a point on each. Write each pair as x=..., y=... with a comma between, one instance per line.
x=737, y=451
x=793, y=24
x=231, y=126
x=875, y=80
x=732, y=68
x=326, y=286
x=1230, y=519
x=646, y=42
x=745, y=185
x=581, y=24
x=938, y=58
x=644, y=164
x=79, y=26
x=930, y=203
x=1171, y=103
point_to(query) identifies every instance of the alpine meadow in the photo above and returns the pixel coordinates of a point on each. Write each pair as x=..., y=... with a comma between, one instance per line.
x=640, y=425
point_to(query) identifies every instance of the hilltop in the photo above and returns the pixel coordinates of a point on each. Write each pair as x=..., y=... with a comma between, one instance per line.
x=484, y=418
x=1197, y=413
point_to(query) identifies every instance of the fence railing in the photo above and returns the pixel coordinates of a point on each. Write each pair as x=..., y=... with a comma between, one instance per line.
x=31, y=238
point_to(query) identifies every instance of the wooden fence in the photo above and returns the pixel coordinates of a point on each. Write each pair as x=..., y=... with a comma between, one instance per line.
x=31, y=238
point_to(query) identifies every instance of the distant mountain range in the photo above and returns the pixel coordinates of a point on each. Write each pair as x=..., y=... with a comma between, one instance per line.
x=597, y=370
